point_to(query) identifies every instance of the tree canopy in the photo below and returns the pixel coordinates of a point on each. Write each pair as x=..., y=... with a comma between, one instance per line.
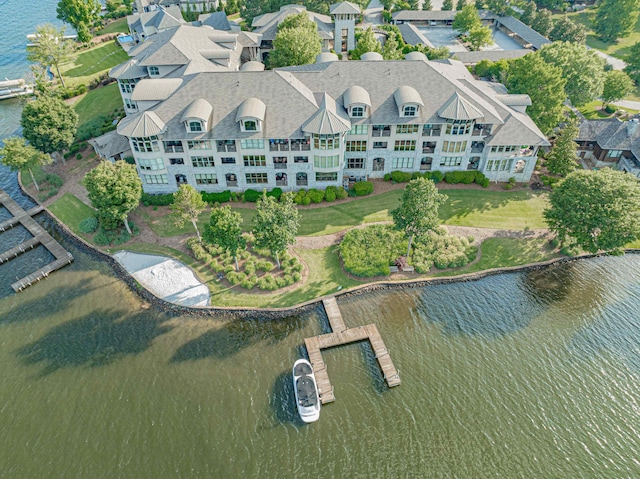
x=114, y=191
x=542, y=22
x=225, y=230
x=563, y=158
x=275, y=225
x=581, y=67
x=80, y=14
x=391, y=49
x=565, y=30
x=187, y=205
x=367, y=42
x=49, y=124
x=51, y=49
x=447, y=5
x=544, y=83
x=296, y=43
x=466, y=19
x=528, y=13
x=479, y=37
x=616, y=19
x=17, y=155
x=633, y=62
x=418, y=210
x=599, y=210
x=617, y=85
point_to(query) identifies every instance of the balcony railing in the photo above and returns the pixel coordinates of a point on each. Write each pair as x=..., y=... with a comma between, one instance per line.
x=301, y=182
x=431, y=132
x=477, y=149
x=300, y=145
x=381, y=132
x=278, y=145
x=279, y=166
x=429, y=149
x=232, y=183
x=281, y=182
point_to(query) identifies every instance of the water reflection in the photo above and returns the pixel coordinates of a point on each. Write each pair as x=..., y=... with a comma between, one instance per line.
x=95, y=340
x=283, y=401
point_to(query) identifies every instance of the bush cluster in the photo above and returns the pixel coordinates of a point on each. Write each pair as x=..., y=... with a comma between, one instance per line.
x=404, y=176
x=157, y=200
x=70, y=92
x=88, y=225
x=369, y=251
x=212, y=198
x=115, y=237
x=54, y=180
x=441, y=250
x=466, y=177
x=331, y=193
x=362, y=188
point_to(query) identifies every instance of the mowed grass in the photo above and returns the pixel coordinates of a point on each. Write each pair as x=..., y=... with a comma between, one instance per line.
x=595, y=111
x=92, y=63
x=94, y=103
x=117, y=26
x=71, y=211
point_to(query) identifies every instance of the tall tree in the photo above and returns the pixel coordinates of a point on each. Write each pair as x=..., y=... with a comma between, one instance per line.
x=563, y=158
x=466, y=19
x=447, y=5
x=633, y=63
x=297, y=42
x=544, y=83
x=599, y=210
x=51, y=49
x=225, y=230
x=581, y=67
x=479, y=4
x=391, y=49
x=460, y=5
x=542, y=22
x=366, y=42
x=418, y=210
x=275, y=225
x=616, y=19
x=80, y=14
x=617, y=85
x=426, y=5
x=479, y=37
x=187, y=205
x=17, y=155
x=114, y=191
x=528, y=13
x=499, y=7
x=564, y=30
x=49, y=124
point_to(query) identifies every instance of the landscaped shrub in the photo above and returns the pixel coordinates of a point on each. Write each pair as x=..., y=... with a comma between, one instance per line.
x=264, y=265
x=330, y=194
x=400, y=176
x=368, y=251
x=276, y=193
x=252, y=195
x=466, y=177
x=435, y=176
x=442, y=250
x=236, y=277
x=315, y=195
x=341, y=193
x=54, y=180
x=481, y=179
x=88, y=225
x=267, y=282
x=102, y=238
x=249, y=281
x=415, y=175
x=362, y=188
x=212, y=198
x=157, y=200
x=387, y=177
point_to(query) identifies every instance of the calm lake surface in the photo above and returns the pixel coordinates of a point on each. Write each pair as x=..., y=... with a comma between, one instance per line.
x=521, y=375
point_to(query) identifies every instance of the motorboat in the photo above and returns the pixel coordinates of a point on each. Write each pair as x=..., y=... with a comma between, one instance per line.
x=306, y=391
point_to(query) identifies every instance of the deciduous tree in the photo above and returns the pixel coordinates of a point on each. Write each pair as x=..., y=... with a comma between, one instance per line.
x=616, y=19
x=528, y=13
x=466, y=19
x=187, y=205
x=114, y=191
x=617, y=85
x=418, y=210
x=225, y=230
x=276, y=224
x=49, y=124
x=51, y=49
x=582, y=68
x=479, y=37
x=391, y=49
x=297, y=42
x=460, y=5
x=564, y=30
x=17, y=155
x=80, y=14
x=599, y=210
x=633, y=62
x=366, y=42
x=542, y=22
x=543, y=83
x=563, y=159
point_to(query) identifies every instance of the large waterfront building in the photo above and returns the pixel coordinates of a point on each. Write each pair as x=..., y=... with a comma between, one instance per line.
x=324, y=124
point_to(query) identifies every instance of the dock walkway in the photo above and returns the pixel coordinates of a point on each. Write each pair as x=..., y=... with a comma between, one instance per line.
x=40, y=236
x=340, y=336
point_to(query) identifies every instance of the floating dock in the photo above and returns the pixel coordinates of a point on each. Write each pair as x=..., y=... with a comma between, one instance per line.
x=340, y=336
x=40, y=236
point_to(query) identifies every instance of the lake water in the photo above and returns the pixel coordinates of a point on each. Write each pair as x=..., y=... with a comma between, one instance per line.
x=520, y=375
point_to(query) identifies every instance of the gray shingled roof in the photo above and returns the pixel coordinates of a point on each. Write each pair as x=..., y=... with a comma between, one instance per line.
x=611, y=134
x=406, y=94
x=216, y=20
x=416, y=56
x=326, y=57
x=413, y=36
x=435, y=15
x=457, y=108
x=356, y=95
x=491, y=55
x=160, y=19
x=251, y=108
x=199, y=108
x=328, y=120
x=528, y=34
x=141, y=125
x=267, y=24
x=371, y=56
x=515, y=100
x=111, y=144
x=344, y=8
x=128, y=70
x=252, y=66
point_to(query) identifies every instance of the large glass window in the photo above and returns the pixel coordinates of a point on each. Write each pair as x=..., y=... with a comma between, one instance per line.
x=326, y=177
x=379, y=144
x=326, y=142
x=206, y=179
x=454, y=146
x=355, y=163
x=202, y=161
x=130, y=104
x=326, y=161
x=228, y=160
x=151, y=164
x=254, y=160
x=173, y=146
x=402, y=163
x=406, y=129
x=458, y=127
x=359, y=129
x=195, y=126
x=155, y=179
x=405, y=145
x=226, y=145
x=253, y=178
x=127, y=86
x=146, y=145
x=176, y=161
x=199, y=144
x=450, y=161
x=357, y=145
x=252, y=144
x=381, y=130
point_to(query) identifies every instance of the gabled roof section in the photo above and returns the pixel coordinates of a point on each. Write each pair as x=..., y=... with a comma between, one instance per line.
x=267, y=24
x=457, y=108
x=251, y=108
x=406, y=94
x=344, y=8
x=151, y=89
x=160, y=18
x=128, y=70
x=356, y=95
x=216, y=20
x=525, y=32
x=327, y=120
x=141, y=125
x=200, y=109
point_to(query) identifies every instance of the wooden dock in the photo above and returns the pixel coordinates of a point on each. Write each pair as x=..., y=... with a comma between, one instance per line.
x=40, y=236
x=341, y=335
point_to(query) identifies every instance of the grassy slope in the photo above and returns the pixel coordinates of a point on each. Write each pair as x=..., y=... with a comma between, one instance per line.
x=101, y=101
x=92, y=63
x=117, y=26
x=71, y=211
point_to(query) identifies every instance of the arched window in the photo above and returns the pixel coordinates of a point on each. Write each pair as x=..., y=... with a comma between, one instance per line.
x=195, y=126
x=301, y=179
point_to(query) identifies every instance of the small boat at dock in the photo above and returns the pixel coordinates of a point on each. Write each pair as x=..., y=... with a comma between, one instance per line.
x=306, y=391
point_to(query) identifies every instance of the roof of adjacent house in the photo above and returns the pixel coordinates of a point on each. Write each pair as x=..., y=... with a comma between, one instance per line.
x=413, y=36
x=612, y=134
x=267, y=24
x=491, y=55
x=160, y=18
x=311, y=98
x=111, y=144
x=525, y=32
x=435, y=15
x=344, y=8
x=128, y=70
x=216, y=20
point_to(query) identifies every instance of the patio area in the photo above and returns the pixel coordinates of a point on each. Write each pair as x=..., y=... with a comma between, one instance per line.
x=447, y=37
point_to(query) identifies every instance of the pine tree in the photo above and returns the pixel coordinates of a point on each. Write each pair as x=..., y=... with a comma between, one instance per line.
x=447, y=5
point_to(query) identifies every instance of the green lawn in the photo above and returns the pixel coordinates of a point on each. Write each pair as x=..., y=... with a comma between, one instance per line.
x=117, y=26
x=505, y=252
x=98, y=102
x=71, y=211
x=92, y=63
x=594, y=110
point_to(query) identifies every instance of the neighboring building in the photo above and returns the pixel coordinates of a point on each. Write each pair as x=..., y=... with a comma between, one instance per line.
x=111, y=146
x=436, y=18
x=521, y=33
x=217, y=21
x=344, y=16
x=611, y=143
x=154, y=19
x=472, y=58
x=324, y=124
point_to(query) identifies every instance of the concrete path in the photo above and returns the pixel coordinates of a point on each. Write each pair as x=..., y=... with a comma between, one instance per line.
x=632, y=105
x=615, y=63
x=373, y=13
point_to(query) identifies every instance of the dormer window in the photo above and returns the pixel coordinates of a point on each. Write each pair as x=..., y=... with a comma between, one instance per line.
x=249, y=125
x=251, y=114
x=357, y=111
x=195, y=126
x=154, y=71
x=409, y=110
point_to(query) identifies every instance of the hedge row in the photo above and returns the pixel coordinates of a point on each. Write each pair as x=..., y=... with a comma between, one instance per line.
x=466, y=177
x=405, y=176
x=330, y=194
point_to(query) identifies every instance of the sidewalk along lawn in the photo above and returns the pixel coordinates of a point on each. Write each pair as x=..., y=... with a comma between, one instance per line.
x=480, y=208
x=92, y=63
